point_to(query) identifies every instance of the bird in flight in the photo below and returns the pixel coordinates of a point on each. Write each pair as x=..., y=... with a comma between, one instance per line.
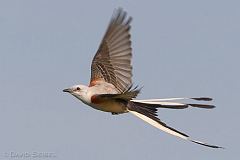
x=111, y=89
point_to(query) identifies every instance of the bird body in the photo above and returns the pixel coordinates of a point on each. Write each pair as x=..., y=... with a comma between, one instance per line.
x=111, y=89
x=89, y=96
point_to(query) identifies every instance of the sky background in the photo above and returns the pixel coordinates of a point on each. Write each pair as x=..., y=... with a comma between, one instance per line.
x=180, y=48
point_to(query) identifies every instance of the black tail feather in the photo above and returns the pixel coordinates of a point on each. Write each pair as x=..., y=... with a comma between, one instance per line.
x=151, y=112
x=202, y=99
x=206, y=106
x=205, y=144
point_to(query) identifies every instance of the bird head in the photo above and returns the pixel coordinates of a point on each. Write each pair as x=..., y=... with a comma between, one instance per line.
x=79, y=91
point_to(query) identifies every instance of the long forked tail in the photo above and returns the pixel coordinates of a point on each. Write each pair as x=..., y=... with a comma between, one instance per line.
x=169, y=103
x=148, y=113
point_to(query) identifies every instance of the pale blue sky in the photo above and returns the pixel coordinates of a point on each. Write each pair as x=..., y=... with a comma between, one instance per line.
x=180, y=48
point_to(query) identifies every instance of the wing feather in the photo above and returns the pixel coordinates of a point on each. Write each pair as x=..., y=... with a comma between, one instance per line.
x=112, y=62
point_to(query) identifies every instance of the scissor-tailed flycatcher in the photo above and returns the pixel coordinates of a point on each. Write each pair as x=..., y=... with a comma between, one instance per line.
x=110, y=88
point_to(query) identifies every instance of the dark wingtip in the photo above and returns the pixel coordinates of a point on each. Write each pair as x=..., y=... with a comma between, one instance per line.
x=203, y=99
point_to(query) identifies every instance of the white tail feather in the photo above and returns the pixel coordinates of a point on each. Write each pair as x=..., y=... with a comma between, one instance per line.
x=168, y=130
x=175, y=99
x=157, y=125
x=159, y=102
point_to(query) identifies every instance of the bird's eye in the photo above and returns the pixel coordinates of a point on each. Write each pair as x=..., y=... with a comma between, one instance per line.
x=78, y=89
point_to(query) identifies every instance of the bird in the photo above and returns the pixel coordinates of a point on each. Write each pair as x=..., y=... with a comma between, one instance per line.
x=111, y=88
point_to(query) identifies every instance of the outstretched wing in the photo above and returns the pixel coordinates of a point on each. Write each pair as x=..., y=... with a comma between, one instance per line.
x=112, y=62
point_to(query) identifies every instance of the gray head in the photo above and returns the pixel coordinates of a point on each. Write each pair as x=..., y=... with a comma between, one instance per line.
x=79, y=91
